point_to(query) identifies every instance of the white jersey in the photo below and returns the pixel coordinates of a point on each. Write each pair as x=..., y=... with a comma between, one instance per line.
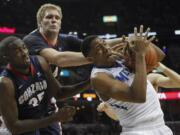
x=134, y=115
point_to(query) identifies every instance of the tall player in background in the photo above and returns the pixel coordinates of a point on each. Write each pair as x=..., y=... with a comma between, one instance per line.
x=26, y=85
x=125, y=87
x=55, y=48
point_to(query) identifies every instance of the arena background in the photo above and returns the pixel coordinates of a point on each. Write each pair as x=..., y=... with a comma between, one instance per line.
x=85, y=17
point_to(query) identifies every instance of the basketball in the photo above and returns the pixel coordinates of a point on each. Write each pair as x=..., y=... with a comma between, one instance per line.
x=151, y=58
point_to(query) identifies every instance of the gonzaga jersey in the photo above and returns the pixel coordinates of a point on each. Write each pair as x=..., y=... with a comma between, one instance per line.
x=133, y=115
x=30, y=90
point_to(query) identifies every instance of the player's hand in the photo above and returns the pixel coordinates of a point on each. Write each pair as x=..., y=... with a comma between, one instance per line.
x=139, y=42
x=117, y=50
x=66, y=113
x=102, y=107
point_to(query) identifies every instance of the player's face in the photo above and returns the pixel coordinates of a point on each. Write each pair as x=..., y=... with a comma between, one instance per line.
x=51, y=21
x=101, y=53
x=18, y=55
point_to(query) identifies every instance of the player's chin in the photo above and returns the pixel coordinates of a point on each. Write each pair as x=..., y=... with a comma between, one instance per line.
x=53, y=30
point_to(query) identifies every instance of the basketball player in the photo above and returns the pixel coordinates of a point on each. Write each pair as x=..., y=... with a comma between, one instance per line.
x=170, y=80
x=26, y=85
x=125, y=89
x=55, y=48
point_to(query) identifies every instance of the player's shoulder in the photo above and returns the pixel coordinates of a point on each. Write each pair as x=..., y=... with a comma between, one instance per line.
x=97, y=73
x=5, y=81
x=33, y=36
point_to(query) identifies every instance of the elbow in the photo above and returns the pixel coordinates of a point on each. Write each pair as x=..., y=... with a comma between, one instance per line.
x=139, y=97
x=140, y=100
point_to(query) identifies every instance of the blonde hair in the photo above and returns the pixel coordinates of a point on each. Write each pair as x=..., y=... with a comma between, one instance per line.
x=41, y=12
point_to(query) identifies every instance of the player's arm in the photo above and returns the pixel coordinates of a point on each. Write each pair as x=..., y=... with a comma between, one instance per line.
x=171, y=80
x=160, y=53
x=157, y=80
x=10, y=114
x=56, y=89
x=107, y=85
x=116, y=41
x=61, y=59
x=175, y=77
x=64, y=59
x=71, y=90
x=104, y=107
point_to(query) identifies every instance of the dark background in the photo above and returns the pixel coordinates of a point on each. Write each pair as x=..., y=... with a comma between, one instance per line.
x=85, y=16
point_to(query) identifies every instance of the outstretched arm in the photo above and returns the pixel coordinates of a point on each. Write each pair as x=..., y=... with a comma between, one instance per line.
x=64, y=59
x=37, y=46
x=115, y=41
x=71, y=90
x=170, y=73
x=56, y=89
x=170, y=80
x=9, y=110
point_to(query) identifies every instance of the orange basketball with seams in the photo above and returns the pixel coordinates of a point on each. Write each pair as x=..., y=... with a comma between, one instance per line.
x=151, y=58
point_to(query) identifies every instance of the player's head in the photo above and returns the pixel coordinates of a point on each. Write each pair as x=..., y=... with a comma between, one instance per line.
x=49, y=18
x=14, y=51
x=97, y=50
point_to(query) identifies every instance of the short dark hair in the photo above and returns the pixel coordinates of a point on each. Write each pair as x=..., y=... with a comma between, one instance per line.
x=5, y=45
x=86, y=44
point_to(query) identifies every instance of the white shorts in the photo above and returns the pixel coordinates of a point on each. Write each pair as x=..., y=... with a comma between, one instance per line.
x=162, y=130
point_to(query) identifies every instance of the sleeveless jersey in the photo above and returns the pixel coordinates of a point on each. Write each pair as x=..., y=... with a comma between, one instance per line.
x=30, y=92
x=132, y=115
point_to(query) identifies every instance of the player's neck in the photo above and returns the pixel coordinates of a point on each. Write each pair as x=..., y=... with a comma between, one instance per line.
x=50, y=38
x=24, y=71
